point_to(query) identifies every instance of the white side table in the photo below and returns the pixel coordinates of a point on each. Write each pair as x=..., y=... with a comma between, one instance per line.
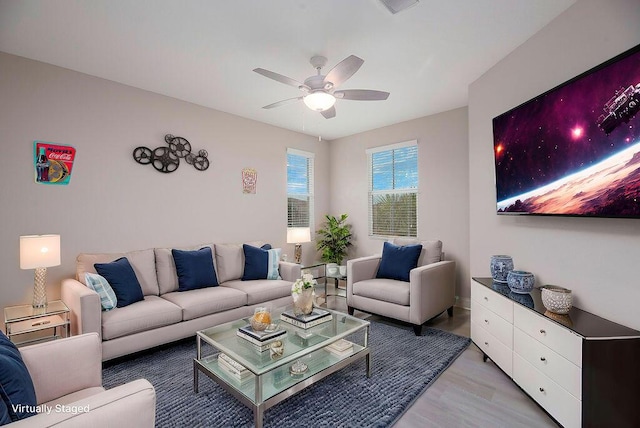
x=337, y=277
x=23, y=319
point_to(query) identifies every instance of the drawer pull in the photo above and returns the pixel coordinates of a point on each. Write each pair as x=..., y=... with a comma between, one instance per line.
x=543, y=359
x=541, y=389
x=542, y=331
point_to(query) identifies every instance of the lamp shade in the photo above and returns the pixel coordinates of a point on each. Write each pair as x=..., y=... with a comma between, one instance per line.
x=319, y=101
x=38, y=251
x=296, y=235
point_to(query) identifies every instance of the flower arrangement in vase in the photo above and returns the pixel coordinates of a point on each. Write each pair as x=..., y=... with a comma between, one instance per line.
x=302, y=293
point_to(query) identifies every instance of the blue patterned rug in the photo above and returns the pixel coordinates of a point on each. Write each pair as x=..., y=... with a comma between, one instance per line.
x=403, y=366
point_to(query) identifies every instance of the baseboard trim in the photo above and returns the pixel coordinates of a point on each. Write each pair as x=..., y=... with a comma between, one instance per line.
x=463, y=302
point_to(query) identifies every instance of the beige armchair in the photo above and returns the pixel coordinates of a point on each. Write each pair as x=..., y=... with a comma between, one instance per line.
x=429, y=292
x=67, y=377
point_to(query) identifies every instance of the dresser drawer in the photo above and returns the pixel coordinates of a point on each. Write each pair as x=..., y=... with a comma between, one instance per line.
x=492, y=301
x=556, y=367
x=564, y=407
x=496, y=350
x=494, y=324
x=561, y=340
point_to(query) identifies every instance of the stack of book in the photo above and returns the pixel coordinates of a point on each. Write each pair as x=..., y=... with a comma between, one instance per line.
x=340, y=348
x=261, y=340
x=317, y=316
x=233, y=368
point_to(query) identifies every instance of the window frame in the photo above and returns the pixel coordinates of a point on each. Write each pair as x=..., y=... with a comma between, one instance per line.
x=310, y=157
x=371, y=193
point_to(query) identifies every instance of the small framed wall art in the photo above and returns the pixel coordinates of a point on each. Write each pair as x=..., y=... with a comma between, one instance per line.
x=53, y=162
x=249, y=180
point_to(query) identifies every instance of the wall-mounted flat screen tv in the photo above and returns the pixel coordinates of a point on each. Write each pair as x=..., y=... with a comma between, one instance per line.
x=574, y=150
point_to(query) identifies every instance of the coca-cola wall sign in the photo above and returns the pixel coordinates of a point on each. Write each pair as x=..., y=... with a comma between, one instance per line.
x=53, y=162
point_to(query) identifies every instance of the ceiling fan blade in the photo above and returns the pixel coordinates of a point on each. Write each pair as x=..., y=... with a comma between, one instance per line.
x=343, y=70
x=361, y=95
x=282, y=79
x=329, y=113
x=283, y=102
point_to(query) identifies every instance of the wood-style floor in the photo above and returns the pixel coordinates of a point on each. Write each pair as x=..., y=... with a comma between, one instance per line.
x=470, y=393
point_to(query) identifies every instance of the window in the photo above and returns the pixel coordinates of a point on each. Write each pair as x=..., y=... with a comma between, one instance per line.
x=299, y=189
x=393, y=190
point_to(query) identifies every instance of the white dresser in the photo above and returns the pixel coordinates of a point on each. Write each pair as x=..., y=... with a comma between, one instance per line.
x=582, y=369
x=492, y=325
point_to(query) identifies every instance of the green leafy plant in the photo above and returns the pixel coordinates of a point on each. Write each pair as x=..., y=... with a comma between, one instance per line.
x=334, y=238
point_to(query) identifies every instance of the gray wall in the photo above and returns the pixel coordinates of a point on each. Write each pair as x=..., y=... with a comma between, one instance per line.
x=114, y=204
x=443, y=200
x=597, y=258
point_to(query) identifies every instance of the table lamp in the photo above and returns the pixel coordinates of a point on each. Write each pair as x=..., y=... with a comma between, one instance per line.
x=297, y=235
x=39, y=252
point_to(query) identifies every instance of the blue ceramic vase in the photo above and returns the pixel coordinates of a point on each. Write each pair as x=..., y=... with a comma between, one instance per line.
x=500, y=268
x=520, y=281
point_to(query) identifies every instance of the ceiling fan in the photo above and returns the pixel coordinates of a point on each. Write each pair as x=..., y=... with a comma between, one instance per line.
x=321, y=93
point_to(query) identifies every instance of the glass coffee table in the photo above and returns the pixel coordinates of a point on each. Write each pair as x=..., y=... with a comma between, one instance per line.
x=271, y=380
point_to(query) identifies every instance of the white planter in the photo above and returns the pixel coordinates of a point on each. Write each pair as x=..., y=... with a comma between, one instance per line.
x=332, y=268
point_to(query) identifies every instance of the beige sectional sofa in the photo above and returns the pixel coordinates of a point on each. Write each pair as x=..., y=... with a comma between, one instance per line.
x=166, y=314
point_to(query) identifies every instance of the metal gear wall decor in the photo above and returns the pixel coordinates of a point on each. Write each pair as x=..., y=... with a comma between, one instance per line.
x=167, y=159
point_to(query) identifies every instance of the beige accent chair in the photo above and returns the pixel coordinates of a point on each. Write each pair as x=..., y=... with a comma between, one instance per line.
x=67, y=376
x=429, y=292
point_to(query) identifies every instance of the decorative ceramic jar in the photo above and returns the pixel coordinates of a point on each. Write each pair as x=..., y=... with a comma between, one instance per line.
x=556, y=299
x=500, y=267
x=520, y=281
x=261, y=318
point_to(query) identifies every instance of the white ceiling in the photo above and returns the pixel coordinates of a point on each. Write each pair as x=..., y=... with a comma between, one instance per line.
x=204, y=51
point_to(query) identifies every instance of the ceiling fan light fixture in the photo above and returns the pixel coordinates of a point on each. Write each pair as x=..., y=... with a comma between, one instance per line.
x=319, y=101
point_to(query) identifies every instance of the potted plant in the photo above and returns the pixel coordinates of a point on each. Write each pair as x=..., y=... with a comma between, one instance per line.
x=333, y=239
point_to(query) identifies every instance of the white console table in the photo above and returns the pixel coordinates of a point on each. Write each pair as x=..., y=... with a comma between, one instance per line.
x=580, y=368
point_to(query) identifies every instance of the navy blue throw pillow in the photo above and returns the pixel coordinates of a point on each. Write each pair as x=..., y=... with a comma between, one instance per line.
x=16, y=386
x=121, y=277
x=398, y=261
x=261, y=263
x=256, y=263
x=195, y=269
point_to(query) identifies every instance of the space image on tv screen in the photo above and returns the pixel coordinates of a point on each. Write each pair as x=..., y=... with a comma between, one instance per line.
x=574, y=150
